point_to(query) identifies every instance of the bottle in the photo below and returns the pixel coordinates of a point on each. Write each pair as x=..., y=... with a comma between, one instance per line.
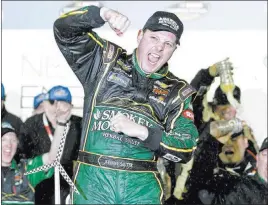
x=227, y=82
x=223, y=127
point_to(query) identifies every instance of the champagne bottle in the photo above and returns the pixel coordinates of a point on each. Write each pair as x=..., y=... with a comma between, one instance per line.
x=227, y=82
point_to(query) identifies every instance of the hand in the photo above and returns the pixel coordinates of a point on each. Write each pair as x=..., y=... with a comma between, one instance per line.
x=117, y=21
x=120, y=123
x=214, y=70
x=223, y=130
x=63, y=111
x=224, y=139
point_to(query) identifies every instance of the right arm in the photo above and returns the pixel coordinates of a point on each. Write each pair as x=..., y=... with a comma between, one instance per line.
x=81, y=47
x=201, y=82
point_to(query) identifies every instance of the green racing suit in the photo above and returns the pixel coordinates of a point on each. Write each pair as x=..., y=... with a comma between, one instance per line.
x=113, y=168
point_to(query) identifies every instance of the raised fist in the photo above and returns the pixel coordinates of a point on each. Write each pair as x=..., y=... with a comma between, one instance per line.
x=117, y=21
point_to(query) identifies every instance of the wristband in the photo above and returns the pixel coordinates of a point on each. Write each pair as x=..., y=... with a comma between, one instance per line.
x=62, y=123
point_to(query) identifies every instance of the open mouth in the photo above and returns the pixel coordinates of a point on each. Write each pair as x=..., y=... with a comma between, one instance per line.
x=153, y=58
x=228, y=152
x=7, y=152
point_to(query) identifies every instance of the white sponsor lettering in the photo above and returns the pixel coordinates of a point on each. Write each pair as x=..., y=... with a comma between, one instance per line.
x=172, y=157
x=102, y=119
x=157, y=100
x=168, y=22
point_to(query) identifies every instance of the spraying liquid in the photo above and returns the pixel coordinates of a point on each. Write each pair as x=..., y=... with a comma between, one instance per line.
x=227, y=86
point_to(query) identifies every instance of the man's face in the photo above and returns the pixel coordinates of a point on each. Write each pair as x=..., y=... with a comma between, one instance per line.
x=9, y=147
x=63, y=106
x=49, y=108
x=234, y=150
x=155, y=49
x=262, y=164
x=226, y=112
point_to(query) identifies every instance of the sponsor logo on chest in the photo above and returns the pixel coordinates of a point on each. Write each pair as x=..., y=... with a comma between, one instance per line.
x=102, y=119
x=119, y=79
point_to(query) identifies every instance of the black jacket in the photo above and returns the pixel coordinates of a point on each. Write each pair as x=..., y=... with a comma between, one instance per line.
x=201, y=82
x=209, y=177
x=249, y=190
x=35, y=141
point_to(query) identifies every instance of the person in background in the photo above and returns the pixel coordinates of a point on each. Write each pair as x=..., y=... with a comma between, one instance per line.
x=14, y=120
x=38, y=104
x=250, y=190
x=218, y=157
x=220, y=108
x=6, y=116
x=16, y=187
x=37, y=134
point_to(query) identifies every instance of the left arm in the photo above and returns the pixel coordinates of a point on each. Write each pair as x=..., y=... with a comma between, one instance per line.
x=63, y=114
x=180, y=141
x=50, y=156
x=176, y=145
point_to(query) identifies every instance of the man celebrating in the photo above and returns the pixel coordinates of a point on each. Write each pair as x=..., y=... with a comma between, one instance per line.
x=135, y=110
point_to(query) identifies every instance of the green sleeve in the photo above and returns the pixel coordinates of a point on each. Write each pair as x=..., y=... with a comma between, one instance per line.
x=180, y=142
x=36, y=178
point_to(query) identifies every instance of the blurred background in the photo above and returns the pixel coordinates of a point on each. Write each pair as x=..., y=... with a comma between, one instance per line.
x=213, y=30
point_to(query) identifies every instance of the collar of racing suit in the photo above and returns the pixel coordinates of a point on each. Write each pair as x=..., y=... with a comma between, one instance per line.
x=158, y=75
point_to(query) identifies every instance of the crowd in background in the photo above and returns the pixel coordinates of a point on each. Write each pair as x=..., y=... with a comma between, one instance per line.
x=224, y=169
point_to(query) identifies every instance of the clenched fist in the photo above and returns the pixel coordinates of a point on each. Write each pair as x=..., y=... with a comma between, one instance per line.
x=120, y=123
x=117, y=21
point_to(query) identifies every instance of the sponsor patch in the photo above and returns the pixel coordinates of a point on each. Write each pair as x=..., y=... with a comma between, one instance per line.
x=102, y=120
x=160, y=99
x=18, y=178
x=159, y=91
x=168, y=22
x=115, y=163
x=172, y=157
x=118, y=79
x=162, y=85
x=120, y=138
x=188, y=114
x=120, y=70
x=123, y=65
x=186, y=91
x=60, y=93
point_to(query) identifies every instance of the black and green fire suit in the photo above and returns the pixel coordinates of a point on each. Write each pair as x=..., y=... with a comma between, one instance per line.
x=18, y=188
x=113, y=168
